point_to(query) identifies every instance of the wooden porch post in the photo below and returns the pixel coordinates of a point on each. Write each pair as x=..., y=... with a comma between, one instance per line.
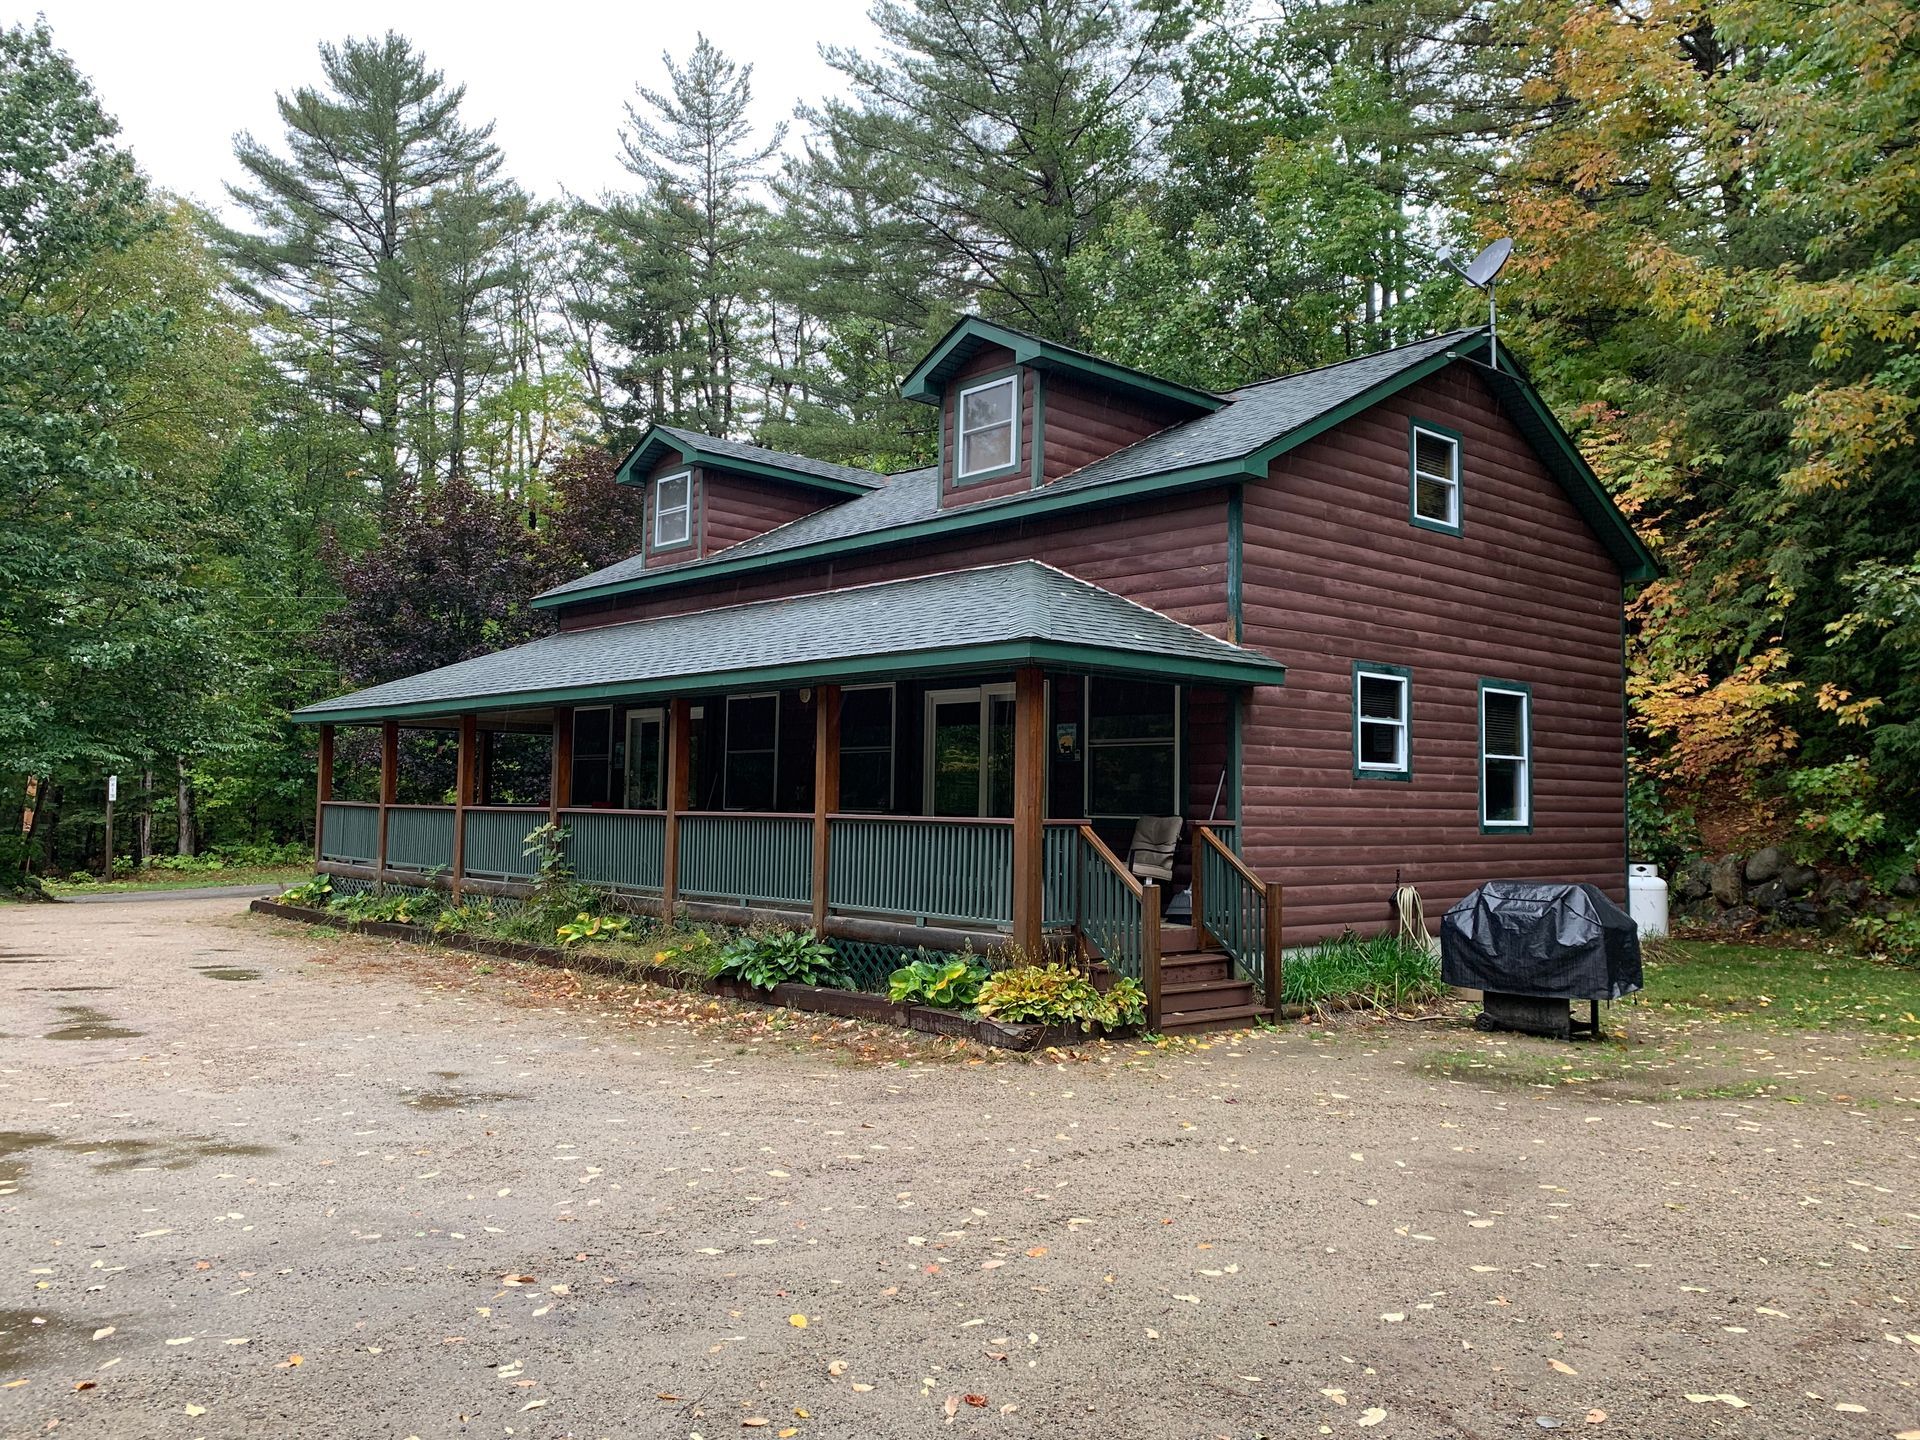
x=323, y=792
x=826, y=791
x=561, y=781
x=1150, y=951
x=389, y=791
x=679, y=764
x=464, y=770
x=1029, y=807
x=1271, y=976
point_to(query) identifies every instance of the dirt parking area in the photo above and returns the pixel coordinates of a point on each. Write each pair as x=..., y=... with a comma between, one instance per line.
x=263, y=1181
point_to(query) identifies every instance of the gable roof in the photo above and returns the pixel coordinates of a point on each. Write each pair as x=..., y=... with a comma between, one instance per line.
x=723, y=454
x=1023, y=612
x=970, y=334
x=1238, y=441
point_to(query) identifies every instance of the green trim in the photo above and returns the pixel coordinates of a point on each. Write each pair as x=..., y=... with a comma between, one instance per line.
x=936, y=660
x=928, y=380
x=1415, y=424
x=1480, y=756
x=1000, y=472
x=642, y=456
x=1236, y=562
x=1367, y=667
x=1235, y=759
x=1039, y=427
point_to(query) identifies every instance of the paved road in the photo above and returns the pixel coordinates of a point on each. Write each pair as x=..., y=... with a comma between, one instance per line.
x=200, y=892
x=260, y=1182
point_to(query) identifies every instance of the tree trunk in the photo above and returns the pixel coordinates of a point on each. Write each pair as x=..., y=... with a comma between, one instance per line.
x=46, y=821
x=143, y=827
x=184, y=803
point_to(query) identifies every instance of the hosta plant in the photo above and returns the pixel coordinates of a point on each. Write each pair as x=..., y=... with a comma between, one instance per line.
x=951, y=984
x=766, y=958
x=315, y=892
x=587, y=926
x=1053, y=995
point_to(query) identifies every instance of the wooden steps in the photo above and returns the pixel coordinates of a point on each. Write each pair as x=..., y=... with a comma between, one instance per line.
x=1198, y=992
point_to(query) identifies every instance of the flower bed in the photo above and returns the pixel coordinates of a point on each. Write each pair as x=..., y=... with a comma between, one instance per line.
x=847, y=1004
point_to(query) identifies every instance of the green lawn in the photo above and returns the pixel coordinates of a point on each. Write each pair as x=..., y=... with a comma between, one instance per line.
x=196, y=879
x=1713, y=1020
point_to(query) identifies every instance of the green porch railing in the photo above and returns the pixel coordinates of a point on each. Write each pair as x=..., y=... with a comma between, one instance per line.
x=349, y=833
x=1118, y=918
x=930, y=869
x=624, y=849
x=496, y=842
x=420, y=837
x=1060, y=867
x=1238, y=911
x=746, y=858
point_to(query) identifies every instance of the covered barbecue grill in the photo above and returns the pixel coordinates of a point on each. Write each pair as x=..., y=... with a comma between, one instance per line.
x=1529, y=948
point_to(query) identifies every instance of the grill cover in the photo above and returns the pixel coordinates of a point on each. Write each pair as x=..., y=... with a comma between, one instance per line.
x=1521, y=937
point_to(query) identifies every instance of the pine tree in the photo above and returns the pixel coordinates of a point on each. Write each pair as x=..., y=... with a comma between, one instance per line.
x=326, y=262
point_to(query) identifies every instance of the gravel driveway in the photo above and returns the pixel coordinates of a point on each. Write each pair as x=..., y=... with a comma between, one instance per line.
x=258, y=1181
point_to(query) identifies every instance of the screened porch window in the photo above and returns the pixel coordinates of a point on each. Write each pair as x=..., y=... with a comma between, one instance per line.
x=1382, y=702
x=673, y=510
x=988, y=424
x=753, y=752
x=866, y=748
x=1506, y=757
x=593, y=756
x=1133, y=748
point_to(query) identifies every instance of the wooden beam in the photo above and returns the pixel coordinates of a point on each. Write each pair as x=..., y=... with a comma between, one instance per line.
x=826, y=791
x=1150, y=951
x=679, y=766
x=560, y=785
x=1029, y=807
x=466, y=770
x=323, y=790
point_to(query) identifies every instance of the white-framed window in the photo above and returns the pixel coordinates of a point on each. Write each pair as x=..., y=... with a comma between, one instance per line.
x=751, y=773
x=1435, y=459
x=1382, y=722
x=987, y=424
x=1506, y=756
x=866, y=748
x=673, y=510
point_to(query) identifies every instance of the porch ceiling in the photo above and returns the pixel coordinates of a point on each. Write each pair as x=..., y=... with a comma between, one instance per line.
x=995, y=616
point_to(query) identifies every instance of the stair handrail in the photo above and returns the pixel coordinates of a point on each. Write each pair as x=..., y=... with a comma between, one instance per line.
x=1147, y=895
x=1269, y=894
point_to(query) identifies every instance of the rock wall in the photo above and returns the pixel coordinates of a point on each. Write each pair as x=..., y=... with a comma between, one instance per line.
x=1768, y=890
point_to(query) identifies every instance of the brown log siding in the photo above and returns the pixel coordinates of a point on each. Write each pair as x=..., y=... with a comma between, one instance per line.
x=738, y=507
x=1082, y=423
x=1335, y=572
x=1169, y=554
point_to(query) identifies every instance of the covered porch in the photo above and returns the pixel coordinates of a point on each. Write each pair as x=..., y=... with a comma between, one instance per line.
x=919, y=793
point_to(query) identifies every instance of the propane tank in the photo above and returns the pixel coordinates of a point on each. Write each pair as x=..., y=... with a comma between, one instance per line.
x=1647, y=900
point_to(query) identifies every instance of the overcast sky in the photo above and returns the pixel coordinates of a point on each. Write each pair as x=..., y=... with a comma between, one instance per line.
x=182, y=78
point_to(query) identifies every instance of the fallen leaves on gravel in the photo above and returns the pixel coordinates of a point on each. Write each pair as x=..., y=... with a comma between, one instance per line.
x=1373, y=1415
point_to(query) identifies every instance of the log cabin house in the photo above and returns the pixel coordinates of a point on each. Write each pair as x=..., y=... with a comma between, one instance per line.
x=1356, y=627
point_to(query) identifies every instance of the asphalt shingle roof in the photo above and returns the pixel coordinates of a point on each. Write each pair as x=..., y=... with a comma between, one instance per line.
x=832, y=633
x=784, y=459
x=1255, y=416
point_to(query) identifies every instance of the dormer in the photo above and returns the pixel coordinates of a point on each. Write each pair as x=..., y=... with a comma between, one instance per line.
x=704, y=493
x=1018, y=412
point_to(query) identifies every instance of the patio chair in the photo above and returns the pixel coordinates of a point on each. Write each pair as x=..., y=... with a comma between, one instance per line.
x=1150, y=852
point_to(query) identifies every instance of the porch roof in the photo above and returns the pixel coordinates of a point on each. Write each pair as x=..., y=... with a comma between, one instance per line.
x=995, y=616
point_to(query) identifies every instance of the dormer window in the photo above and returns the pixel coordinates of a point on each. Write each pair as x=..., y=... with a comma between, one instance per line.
x=988, y=425
x=673, y=510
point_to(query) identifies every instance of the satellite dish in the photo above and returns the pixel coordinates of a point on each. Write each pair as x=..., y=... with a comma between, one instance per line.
x=1484, y=267
x=1481, y=273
